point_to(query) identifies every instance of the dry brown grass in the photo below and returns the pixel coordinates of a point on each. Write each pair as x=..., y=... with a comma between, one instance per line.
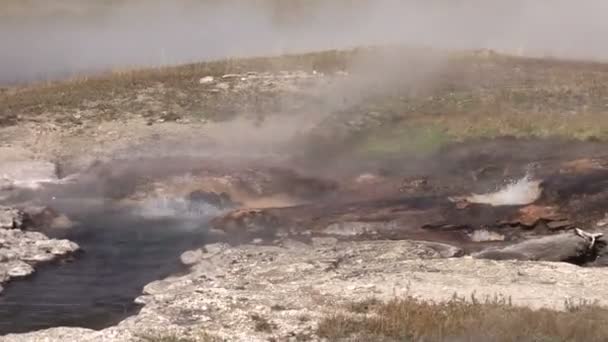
x=172, y=337
x=495, y=319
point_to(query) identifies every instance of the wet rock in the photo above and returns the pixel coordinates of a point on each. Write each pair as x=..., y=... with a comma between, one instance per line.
x=18, y=269
x=21, y=250
x=569, y=247
x=191, y=257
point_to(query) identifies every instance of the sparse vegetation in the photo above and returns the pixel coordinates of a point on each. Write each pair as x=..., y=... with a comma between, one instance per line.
x=409, y=139
x=261, y=324
x=495, y=319
x=172, y=337
x=468, y=96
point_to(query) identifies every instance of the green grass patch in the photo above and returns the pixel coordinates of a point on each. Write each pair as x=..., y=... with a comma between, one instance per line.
x=409, y=139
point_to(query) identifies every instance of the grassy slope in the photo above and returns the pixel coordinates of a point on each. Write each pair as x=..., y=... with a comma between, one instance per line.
x=472, y=95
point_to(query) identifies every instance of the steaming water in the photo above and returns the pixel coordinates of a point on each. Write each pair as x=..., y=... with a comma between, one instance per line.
x=168, y=207
x=521, y=192
x=122, y=253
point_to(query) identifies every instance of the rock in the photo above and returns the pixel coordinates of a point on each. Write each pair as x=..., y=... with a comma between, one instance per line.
x=358, y=228
x=530, y=215
x=191, y=257
x=557, y=225
x=19, y=269
x=231, y=76
x=483, y=235
x=603, y=222
x=569, y=247
x=222, y=86
x=11, y=218
x=206, y=80
x=21, y=250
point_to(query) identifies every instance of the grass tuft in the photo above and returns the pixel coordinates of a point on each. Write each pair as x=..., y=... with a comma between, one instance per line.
x=493, y=319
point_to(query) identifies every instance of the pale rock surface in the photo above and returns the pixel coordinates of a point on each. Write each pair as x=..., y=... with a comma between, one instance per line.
x=21, y=250
x=293, y=285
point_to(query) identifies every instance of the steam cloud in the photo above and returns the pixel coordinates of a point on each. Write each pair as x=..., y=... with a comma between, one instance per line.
x=44, y=40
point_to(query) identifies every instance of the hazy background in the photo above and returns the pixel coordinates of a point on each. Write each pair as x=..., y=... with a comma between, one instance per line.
x=47, y=39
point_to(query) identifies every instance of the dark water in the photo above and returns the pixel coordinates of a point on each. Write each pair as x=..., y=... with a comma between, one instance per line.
x=96, y=289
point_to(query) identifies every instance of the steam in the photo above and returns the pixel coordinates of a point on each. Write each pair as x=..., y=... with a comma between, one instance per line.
x=44, y=39
x=521, y=192
x=169, y=207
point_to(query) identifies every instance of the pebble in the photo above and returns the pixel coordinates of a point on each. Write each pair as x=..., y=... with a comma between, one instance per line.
x=206, y=80
x=191, y=257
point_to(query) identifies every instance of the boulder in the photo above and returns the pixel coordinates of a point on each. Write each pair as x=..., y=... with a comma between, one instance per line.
x=569, y=247
x=20, y=251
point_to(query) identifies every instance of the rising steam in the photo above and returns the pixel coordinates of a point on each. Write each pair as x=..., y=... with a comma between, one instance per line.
x=47, y=39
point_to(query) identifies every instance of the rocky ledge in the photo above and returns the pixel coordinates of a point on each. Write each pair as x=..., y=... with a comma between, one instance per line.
x=256, y=292
x=21, y=250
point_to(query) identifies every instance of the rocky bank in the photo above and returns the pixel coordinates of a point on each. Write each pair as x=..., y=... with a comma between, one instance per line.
x=22, y=250
x=261, y=293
